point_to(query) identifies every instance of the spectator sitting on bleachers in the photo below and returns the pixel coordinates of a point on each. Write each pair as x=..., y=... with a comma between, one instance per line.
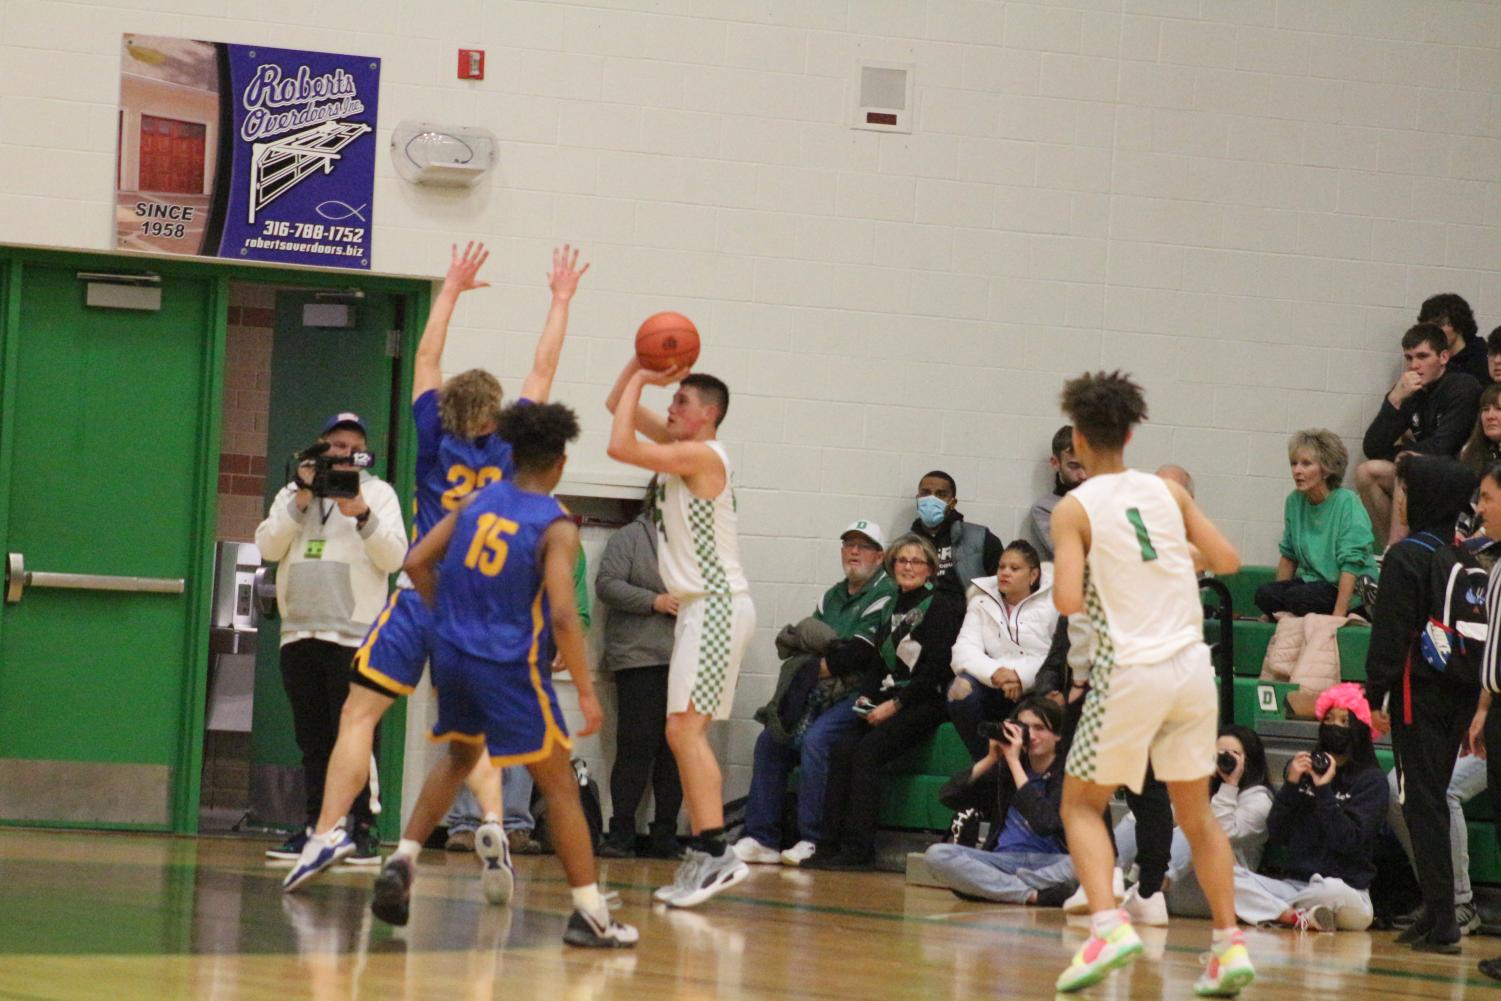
x=1493, y=355
x=1009, y=625
x=1429, y=711
x=1242, y=798
x=1451, y=314
x=1068, y=472
x=1328, y=824
x=811, y=708
x=1020, y=779
x=1481, y=452
x=1326, y=533
x=907, y=672
x=1429, y=410
x=965, y=549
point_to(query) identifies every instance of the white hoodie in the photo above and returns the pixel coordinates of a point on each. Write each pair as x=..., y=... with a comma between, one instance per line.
x=993, y=637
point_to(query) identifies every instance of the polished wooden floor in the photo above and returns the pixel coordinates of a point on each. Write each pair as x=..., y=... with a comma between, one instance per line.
x=130, y=916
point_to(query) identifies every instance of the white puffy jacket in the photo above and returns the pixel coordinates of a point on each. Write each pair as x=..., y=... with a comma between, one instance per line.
x=991, y=638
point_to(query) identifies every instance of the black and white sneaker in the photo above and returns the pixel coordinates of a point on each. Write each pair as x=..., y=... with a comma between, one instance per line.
x=393, y=890
x=497, y=879
x=586, y=931
x=710, y=875
x=290, y=850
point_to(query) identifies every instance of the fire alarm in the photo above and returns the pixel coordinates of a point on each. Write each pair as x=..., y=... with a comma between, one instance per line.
x=471, y=64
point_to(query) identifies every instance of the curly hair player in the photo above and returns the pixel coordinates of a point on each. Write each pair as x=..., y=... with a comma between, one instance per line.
x=498, y=577
x=458, y=451
x=1125, y=545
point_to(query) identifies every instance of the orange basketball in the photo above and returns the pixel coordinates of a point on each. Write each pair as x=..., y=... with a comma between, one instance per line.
x=667, y=341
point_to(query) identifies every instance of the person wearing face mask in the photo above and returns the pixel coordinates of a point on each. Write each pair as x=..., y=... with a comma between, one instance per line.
x=1068, y=472
x=1327, y=822
x=1009, y=625
x=1025, y=860
x=966, y=550
x=813, y=704
x=1430, y=709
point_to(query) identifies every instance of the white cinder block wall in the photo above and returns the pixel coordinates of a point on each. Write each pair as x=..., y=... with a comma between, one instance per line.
x=1241, y=201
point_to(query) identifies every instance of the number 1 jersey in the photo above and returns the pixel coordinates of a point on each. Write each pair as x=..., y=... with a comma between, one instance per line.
x=491, y=602
x=1139, y=581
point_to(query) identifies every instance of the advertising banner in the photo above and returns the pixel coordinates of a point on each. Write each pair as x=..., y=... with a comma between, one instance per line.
x=245, y=152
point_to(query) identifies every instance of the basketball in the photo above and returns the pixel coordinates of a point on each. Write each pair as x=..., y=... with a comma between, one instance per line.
x=667, y=341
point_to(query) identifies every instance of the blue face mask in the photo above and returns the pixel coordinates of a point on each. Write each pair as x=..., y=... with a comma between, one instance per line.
x=931, y=510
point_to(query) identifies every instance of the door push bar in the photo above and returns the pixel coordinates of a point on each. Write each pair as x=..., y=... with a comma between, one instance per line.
x=18, y=579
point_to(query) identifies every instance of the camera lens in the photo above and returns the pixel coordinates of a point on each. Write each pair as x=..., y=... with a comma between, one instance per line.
x=991, y=730
x=1226, y=762
x=1320, y=762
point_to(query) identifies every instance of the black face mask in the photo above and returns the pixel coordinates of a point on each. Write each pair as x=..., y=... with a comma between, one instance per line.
x=1335, y=739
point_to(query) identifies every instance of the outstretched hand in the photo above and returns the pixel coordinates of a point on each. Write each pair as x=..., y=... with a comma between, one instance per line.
x=564, y=279
x=463, y=268
x=664, y=377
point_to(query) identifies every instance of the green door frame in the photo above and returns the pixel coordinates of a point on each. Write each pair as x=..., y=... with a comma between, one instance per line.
x=416, y=296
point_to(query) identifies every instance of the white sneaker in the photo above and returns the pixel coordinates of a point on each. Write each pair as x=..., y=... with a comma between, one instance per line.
x=799, y=853
x=1151, y=911
x=713, y=874
x=1079, y=903
x=750, y=850
x=497, y=880
x=684, y=877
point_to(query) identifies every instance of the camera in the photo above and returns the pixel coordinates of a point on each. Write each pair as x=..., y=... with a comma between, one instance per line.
x=1226, y=762
x=1319, y=762
x=328, y=481
x=994, y=730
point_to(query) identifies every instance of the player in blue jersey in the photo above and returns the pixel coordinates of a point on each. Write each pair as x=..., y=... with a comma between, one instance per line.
x=458, y=451
x=498, y=574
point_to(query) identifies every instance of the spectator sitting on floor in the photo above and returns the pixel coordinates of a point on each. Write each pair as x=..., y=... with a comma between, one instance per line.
x=1467, y=352
x=1327, y=824
x=1177, y=474
x=1326, y=533
x=1025, y=860
x=1068, y=472
x=907, y=672
x=812, y=706
x=1241, y=800
x=1481, y=452
x=1009, y=626
x=966, y=550
x=1430, y=410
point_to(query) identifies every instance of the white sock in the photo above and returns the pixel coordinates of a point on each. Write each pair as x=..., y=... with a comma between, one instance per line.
x=1224, y=938
x=328, y=835
x=491, y=818
x=406, y=846
x=588, y=900
x=1102, y=923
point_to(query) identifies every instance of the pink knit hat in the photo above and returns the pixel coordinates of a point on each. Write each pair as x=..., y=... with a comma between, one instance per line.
x=1345, y=696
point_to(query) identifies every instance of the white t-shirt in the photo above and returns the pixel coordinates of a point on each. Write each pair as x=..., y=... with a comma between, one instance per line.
x=1140, y=587
x=699, y=550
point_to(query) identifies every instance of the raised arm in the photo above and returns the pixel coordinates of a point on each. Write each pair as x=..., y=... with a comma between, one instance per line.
x=427, y=367
x=1217, y=551
x=688, y=459
x=564, y=282
x=647, y=421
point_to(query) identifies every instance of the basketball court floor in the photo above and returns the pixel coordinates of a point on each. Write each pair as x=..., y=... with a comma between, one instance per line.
x=127, y=916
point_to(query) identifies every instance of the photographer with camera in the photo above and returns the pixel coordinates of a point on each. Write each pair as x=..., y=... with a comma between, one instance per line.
x=1026, y=859
x=1326, y=815
x=336, y=533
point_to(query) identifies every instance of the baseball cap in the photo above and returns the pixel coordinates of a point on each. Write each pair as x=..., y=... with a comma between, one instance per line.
x=347, y=419
x=869, y=529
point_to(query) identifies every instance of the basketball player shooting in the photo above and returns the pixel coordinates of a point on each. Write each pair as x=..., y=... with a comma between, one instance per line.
x=1124, y=555
x=699, y=559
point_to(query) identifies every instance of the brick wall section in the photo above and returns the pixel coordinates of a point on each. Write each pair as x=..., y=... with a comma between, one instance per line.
x=247, y=400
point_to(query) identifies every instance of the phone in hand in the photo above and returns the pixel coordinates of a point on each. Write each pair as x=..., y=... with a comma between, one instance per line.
x=863, y=706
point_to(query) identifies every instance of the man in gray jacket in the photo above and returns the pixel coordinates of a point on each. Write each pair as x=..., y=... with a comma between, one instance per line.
x=638, y=647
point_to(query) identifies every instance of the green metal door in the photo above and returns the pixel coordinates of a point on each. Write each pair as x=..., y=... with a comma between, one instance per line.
x=108, y=431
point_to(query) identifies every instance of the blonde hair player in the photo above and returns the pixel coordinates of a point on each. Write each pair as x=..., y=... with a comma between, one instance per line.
x=699, y=558
x=1125, y=545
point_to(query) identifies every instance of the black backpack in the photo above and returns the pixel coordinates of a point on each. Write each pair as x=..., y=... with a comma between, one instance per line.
x=589, y=799
x=1452, y=642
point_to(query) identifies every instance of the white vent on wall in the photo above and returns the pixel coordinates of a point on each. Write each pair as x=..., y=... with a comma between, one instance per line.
x=883, y=96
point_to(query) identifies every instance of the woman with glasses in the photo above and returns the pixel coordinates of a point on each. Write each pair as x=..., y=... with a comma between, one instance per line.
x=906, y=675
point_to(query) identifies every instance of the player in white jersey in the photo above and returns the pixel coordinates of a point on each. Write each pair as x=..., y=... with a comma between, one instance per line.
x=1126, y=549
x=699, y=559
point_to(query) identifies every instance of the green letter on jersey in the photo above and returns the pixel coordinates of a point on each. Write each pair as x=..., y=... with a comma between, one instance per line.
x=1133, y=515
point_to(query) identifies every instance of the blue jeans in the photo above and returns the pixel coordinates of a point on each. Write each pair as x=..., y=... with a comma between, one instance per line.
x=1005, y=877
x=970, y=704
x=774, y=763
x=515, y=797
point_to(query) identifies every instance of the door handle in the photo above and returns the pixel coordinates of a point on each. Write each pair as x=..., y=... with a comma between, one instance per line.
x=18, y=579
